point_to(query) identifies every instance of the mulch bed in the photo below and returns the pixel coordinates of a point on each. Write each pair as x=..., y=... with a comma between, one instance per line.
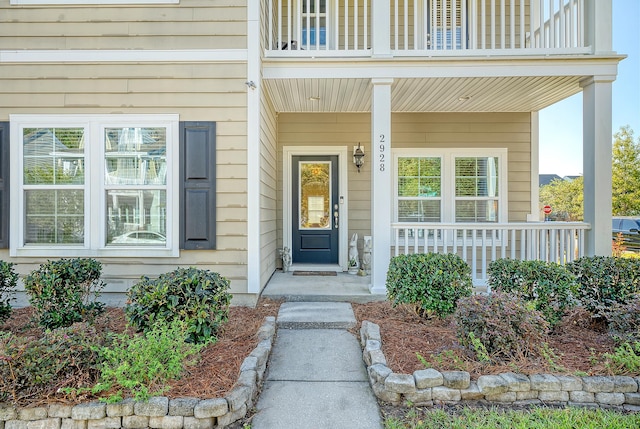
x=219, y=365
x=575, y=342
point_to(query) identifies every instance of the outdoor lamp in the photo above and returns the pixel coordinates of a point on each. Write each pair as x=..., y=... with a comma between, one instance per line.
x=358, y=156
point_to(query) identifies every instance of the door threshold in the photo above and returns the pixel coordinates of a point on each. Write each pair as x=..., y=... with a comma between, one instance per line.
x=316, y=267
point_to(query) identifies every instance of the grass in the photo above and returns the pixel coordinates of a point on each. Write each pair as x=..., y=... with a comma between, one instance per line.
x=538, y=418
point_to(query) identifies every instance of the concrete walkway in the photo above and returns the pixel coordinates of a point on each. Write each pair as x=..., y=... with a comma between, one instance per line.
x=316, y=378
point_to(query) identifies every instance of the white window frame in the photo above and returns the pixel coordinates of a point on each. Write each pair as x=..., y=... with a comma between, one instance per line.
x=82, y=2
x=94, y=186
x=448, y=197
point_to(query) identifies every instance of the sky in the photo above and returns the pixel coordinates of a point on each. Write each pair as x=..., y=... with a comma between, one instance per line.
x=561, y=124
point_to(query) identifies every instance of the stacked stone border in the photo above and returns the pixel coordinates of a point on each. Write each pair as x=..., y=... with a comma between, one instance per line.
x=428, y=387
x=158, y=412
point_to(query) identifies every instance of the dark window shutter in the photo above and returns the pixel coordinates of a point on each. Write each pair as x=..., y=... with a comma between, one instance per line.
x=4, y=185
x=197, y=185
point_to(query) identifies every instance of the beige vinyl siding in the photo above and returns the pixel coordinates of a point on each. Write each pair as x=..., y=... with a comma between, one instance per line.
x=268, y=193
x=412, y=130
x=191, y=24
x=197, y=92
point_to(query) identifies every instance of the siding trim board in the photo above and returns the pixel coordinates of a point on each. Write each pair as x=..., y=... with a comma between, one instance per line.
x=130, y=55
x=4, y=185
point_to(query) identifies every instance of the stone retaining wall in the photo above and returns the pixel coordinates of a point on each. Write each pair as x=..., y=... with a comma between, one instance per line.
x=158, y=412
x=428, y=387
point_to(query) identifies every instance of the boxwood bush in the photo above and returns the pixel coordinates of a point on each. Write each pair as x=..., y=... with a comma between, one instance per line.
x=198, y=297
x=431, y=282
x=550, y=287
x=605, y=281
x=8, y=281
x=64, y=292
x=502, y=322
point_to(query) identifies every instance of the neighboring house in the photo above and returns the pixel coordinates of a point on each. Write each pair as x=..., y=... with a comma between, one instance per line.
x=570, y=178
x=226, y=129
x=545, y=179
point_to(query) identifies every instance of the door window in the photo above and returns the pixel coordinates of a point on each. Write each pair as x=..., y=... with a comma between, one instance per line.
x=315, y=195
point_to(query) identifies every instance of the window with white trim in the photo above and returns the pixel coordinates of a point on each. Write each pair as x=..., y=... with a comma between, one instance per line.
x=94, y=185
x=460, y=185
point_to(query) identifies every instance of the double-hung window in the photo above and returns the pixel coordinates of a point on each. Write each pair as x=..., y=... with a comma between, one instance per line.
x=447, y=186
x=94, y=185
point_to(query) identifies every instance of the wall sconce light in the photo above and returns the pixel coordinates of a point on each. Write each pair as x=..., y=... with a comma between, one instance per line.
x=358, y=156
x=251, y=84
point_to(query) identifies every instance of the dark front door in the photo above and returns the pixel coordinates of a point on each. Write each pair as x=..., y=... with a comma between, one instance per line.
x=315, y=209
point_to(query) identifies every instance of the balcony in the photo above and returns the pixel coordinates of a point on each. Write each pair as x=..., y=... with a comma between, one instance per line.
x=481, y=243
x=424, y=28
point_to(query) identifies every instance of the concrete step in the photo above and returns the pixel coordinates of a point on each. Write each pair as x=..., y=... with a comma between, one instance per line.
x=316, y=315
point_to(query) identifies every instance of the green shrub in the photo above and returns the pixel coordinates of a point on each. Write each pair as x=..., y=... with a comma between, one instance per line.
x=64, y=292
x=623, y=320
x=502, y=322
x=605, y=281
x=39, y=367
x=142, y=365
x=549, y=286
x=8, y=281
x=198, y=297
x=625, y=359
x=432, y=282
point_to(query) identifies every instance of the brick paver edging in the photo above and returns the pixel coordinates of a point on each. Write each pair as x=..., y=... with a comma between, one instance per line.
x=158, y=412
x=428, y=387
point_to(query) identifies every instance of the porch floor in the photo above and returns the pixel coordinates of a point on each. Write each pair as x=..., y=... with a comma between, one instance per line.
x=342, y=287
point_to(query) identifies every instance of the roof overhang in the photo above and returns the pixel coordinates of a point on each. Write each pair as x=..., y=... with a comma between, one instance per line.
x=518, y=84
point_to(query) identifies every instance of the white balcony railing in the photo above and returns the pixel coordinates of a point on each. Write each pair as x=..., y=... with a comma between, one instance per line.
x=481, y=243
x=426, y=27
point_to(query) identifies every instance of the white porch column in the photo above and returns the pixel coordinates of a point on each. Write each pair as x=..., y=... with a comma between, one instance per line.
x=599, y=25
x=597, y=136
x=254, y=282
x=381, y=28
x=381, y=198
x=534, y=216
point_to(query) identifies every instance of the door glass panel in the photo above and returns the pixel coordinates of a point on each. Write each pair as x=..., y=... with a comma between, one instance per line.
x=315, y=196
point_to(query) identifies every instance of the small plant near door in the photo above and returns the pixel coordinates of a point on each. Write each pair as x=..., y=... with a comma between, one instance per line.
x=353, y=266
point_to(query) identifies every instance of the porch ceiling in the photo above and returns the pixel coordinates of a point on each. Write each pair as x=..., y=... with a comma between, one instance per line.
x=481, y=94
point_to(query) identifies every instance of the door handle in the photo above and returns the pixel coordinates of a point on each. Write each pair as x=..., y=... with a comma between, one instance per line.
x=335, y=216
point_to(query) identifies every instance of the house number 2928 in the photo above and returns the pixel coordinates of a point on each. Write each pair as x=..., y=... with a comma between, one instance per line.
x=381, y=148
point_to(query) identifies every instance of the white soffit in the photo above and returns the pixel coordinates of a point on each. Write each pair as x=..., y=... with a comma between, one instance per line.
x=482, y=94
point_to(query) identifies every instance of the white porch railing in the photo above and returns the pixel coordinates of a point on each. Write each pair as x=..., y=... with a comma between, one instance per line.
x=426, y=27
x=481, y=243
